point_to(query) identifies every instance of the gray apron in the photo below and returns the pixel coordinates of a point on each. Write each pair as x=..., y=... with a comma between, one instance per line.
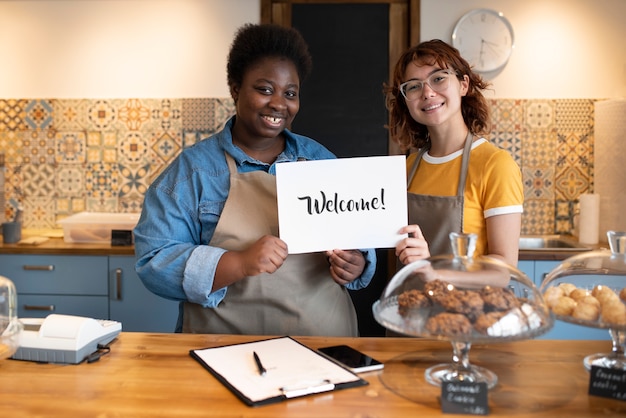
x=300, y=298
x=437, y=216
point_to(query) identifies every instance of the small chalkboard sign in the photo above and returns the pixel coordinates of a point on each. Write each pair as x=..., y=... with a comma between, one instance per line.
x=608, y=383
x=464, y=398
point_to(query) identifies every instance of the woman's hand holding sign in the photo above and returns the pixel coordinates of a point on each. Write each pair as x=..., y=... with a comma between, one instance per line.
x=414, y=247
x=345, y=265
x=265, y=255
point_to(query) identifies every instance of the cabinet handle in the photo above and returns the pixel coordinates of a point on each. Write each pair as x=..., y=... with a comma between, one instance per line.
x=40, y=268
x=39, y=307
x=118, y=281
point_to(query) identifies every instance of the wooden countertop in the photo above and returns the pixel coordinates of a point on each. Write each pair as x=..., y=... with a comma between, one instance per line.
x=152, y=375
x=57, y=246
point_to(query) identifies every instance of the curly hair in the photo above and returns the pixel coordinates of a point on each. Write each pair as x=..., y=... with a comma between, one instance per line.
x=253, y=42
x=402, y=127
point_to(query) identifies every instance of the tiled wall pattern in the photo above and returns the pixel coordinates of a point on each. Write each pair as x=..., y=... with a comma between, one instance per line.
x=67, y=156
x=552, y=141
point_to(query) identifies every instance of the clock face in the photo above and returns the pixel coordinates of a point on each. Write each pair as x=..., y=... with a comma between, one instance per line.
x=484, y=38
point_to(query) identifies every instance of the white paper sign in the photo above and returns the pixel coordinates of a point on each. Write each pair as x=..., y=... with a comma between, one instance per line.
x=345, y=203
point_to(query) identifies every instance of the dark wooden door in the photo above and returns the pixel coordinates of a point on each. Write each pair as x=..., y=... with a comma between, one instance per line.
x=354, y=45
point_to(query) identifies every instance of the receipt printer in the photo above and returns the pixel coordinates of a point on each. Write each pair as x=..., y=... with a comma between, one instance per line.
x=64, y=338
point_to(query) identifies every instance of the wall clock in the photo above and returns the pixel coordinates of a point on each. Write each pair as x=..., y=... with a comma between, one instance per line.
x=484, y=38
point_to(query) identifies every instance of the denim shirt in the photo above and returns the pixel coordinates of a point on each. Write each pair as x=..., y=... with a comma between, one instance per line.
x=181, y=210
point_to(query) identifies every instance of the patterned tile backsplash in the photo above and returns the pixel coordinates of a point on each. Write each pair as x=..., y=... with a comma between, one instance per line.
x=67, y=156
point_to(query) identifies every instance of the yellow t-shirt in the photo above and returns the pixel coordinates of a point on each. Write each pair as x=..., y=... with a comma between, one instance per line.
x=494, y=184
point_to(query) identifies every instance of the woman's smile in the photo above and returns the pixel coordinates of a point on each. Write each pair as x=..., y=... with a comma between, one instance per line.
x=274, y=121
x=432, y=107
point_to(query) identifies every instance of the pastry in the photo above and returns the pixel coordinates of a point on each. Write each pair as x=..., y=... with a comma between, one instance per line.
x=552, y=295
x=487, y=320
x=604, y=294
x=567, y=288
x=447, y=323
x=586, y=310
x=412, y=299
x=499, y=299
x=564, y=306
x=466, y=302
x=590, y=300
x=601, y=302
x=508, y=323
x=578, y=294
x=614, y=312
x=453, y=312
x=437, y=289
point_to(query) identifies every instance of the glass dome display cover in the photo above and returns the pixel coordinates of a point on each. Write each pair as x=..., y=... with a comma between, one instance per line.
x=589, y=289
x=10, y=326
x=463, y=299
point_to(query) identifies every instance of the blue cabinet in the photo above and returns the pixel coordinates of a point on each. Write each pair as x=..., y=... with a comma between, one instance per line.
x=537, y=270
x=528, y=268
x=46, y=284
x=102, y=287
x=133, y=305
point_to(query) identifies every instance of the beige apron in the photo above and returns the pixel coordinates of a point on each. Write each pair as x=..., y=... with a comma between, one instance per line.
x=437, y=216
x=300, y=298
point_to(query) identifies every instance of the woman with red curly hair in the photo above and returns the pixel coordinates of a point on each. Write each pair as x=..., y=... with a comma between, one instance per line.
x=457, y=180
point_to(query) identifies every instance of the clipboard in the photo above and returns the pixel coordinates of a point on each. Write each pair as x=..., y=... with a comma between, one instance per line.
x=291, y=370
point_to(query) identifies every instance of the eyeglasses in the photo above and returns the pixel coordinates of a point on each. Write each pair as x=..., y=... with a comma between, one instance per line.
x=438, y=82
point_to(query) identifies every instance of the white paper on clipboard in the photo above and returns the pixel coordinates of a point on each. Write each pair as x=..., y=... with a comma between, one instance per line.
x=292, y=370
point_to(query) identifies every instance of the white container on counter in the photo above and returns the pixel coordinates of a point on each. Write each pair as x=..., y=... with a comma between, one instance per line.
x=96, y=227
x=589, y=223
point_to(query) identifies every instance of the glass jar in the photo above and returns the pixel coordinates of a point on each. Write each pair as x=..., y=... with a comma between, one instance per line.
x=10, y=326
x=463, y=299
x=589, y=289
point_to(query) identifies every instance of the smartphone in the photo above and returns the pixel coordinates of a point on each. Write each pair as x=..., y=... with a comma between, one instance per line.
x=351, y=358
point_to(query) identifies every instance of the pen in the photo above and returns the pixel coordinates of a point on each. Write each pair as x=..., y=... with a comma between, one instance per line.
x=259, y=365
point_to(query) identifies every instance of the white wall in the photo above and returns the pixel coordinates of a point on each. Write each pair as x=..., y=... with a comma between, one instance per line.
x=563, y=48
x=178, y=48
x=118, y=48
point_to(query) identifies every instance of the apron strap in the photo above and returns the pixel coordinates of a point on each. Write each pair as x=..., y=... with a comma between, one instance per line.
x=465, y=163
x=232, y=165
x=420, y=152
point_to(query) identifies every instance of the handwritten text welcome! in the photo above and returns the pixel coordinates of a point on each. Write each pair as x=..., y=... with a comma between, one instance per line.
x=317, y=206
